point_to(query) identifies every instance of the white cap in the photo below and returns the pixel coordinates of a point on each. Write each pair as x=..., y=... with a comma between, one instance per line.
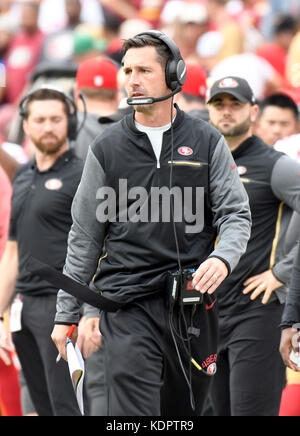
x=193, y=13
x=209, y=44
x=184, y=12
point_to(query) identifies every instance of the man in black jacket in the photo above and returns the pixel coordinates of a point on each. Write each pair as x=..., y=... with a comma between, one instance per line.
x=252, y=375
x=160, y=353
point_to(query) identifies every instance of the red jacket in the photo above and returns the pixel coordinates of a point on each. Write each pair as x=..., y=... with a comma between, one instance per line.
x=5, y=197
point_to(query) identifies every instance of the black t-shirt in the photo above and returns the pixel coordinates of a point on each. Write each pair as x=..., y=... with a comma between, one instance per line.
x=41, y=217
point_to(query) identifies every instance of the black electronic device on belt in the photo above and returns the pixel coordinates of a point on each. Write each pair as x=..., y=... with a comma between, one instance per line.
x=182, y=289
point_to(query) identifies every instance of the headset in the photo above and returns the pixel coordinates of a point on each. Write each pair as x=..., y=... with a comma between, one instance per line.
x=73, y=129
x=175, y=73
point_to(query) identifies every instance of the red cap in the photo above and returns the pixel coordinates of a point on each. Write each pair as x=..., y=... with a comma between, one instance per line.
x=99, y=72
x=195, y=81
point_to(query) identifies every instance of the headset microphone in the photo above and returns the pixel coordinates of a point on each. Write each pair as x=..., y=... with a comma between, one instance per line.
x=150, y=100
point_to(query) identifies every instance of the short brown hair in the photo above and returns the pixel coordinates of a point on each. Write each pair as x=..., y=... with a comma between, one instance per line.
x=140, y=41
x=42, y=95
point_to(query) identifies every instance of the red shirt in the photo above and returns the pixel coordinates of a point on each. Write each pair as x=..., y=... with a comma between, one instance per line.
x=5, y=197
x=275, y=55
x=20, y=61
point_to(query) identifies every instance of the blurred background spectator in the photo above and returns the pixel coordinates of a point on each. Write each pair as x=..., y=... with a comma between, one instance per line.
x=10, y=392
x=23, y=52
x=189, y=22
x=275, y=51
x=193, y=95
x=59, y=14
x=233, y=37
x=96, y=80
x=45, y=41
x=278, y=118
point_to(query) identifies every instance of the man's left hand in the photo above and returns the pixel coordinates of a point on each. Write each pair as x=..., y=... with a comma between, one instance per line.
x=265, y=283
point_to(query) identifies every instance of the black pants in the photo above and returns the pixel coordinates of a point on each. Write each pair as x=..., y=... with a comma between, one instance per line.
x=251, y=374
x=49, y=383
x=143, y=370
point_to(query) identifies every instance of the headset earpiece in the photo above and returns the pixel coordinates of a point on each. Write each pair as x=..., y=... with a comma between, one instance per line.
x=175, y=68
x=72, y=120
x=72, y=110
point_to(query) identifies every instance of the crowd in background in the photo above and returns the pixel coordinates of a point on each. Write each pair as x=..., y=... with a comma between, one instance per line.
x=46, y=41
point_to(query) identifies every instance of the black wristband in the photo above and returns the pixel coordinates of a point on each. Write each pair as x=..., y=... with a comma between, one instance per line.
x=1, y=318
x=65, y=323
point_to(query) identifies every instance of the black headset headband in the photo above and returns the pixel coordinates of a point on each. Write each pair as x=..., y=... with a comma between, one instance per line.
x=72, y=108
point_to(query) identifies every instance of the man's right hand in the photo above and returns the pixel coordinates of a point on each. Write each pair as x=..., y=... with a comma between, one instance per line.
x=59, y=336
x=89, y=336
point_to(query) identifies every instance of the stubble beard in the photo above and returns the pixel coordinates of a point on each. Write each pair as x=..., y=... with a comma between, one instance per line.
x=237, y=130
x=144, y=108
